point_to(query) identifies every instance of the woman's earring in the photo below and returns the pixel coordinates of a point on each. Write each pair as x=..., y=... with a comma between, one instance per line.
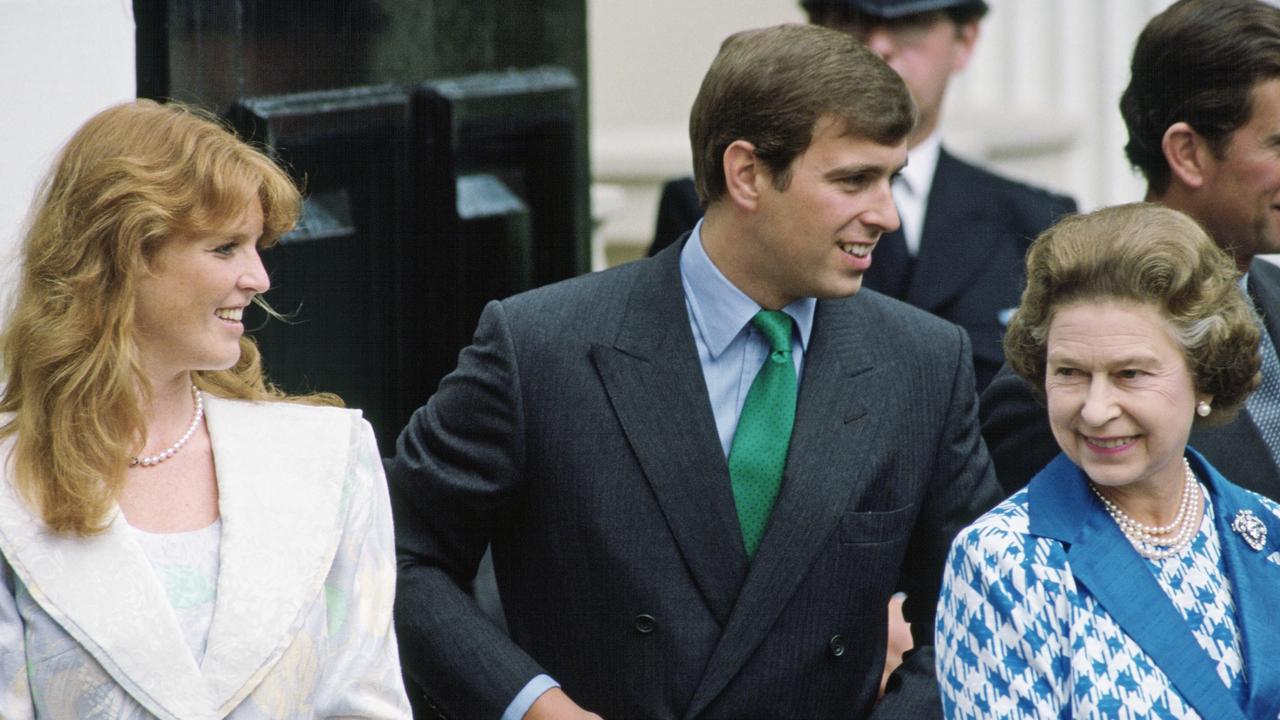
x=1203, y=409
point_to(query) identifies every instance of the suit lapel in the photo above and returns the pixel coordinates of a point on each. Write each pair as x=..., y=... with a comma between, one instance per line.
x=1253, y=575
x=1102, y=560
x=654, y=381
x=281, y=493
x=103, y=592
x=953, y=241
x=816, y=487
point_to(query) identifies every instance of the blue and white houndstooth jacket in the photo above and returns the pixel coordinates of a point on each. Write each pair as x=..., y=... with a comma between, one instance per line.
x=1047, y=611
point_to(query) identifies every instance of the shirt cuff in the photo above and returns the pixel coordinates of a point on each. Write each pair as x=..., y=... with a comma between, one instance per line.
x=528, y=696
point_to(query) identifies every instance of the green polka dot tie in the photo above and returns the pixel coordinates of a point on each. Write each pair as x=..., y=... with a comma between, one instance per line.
x=759, y=449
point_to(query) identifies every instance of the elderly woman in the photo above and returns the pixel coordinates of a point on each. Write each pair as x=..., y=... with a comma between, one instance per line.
x=1129, y=579
x=178, y=539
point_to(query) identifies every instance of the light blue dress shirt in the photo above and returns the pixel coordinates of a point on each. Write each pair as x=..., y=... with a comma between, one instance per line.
x=730, y=348
x=731, y=351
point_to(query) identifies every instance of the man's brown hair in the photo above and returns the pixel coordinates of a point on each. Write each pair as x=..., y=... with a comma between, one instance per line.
x=1197, y=62
x=770, y=87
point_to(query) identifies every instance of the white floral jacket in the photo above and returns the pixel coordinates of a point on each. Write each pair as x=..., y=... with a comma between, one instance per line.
x=302, y=618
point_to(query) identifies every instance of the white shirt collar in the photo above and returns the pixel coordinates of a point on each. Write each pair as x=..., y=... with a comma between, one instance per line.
x=911, y=189
x=922, y=162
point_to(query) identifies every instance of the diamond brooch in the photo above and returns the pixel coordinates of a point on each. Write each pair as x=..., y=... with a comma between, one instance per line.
x=1250, y=528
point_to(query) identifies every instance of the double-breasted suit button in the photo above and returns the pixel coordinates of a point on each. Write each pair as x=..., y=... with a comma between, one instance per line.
x=835, y=646
x=645, y=624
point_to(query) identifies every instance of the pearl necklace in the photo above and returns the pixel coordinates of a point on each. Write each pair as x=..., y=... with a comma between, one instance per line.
x=1159, y=542
x=149, y=460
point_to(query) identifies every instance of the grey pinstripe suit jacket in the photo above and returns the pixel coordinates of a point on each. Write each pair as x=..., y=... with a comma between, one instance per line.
x=576, y=435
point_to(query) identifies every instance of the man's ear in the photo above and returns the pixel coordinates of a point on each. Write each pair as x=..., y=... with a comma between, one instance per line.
x=743, y=173
x=966, y=38
x=1188, y=154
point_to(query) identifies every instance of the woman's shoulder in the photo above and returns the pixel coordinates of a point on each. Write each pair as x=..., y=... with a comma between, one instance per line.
x=286, y=429
x=288, y=449
x=1004, y=533
x=284, y=406
x=999, y=551
x=284, y=412
x=1009, y=519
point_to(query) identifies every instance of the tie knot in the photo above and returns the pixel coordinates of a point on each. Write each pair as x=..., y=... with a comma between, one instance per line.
x=776, y=326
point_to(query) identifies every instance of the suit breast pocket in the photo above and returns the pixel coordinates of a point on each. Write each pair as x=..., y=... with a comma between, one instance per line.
x=877, y=526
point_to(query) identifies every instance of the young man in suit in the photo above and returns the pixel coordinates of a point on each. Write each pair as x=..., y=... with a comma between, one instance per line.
x=703, y=474
x=964, y=229
x=1203, y=113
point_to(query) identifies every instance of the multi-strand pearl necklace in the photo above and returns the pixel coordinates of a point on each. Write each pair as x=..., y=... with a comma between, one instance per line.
x=149, y=460
x=1157, y=543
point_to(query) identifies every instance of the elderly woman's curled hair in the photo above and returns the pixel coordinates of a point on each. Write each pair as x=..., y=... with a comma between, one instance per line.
x=1149, y=254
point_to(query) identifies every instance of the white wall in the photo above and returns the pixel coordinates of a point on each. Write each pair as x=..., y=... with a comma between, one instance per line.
x=1039, y=100
x=60, y=62
x=646, y=61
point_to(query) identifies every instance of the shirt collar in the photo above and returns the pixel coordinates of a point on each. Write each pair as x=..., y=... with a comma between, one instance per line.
x=720, y=310
x=922, y=162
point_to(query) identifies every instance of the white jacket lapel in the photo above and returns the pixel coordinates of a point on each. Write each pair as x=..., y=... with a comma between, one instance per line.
x=103, y=592
x=280, y=480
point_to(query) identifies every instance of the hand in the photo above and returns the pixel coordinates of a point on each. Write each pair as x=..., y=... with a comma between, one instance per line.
x=900, y=640
x=555, y=705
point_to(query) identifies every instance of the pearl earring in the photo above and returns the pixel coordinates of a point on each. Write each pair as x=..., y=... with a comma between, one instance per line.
x=1203, y=409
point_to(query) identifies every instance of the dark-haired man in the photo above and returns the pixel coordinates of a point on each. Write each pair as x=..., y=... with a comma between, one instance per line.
x=1203, y=113
x=964, y=229
x=703, y=474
